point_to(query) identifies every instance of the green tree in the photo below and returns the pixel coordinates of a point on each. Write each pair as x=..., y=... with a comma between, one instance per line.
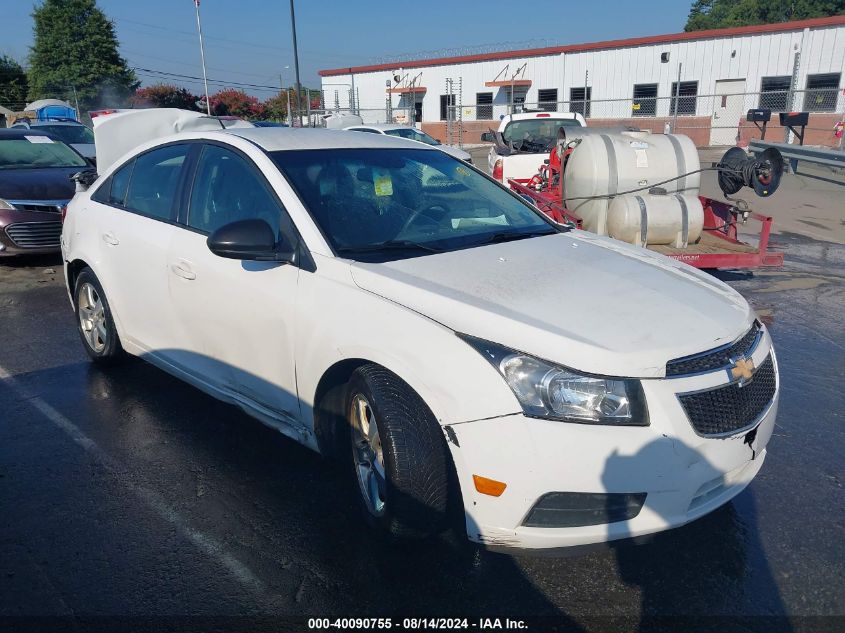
x=13, y=84
x=164, y=96
x=717, y=14
x=75, y=47
x=276, y=107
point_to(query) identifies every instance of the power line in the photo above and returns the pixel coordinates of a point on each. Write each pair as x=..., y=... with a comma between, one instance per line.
x=181, y=76
x=310, y=54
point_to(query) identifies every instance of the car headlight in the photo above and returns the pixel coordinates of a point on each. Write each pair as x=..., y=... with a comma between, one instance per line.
x=5, y=205
x=549, y=391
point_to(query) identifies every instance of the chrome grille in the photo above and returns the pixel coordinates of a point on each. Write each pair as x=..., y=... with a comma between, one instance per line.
x=44, y=206
x=731, y=408
x=35, y=234
x=714, y=359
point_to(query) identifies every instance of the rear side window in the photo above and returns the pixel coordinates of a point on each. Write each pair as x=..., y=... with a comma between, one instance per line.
x=226, y=189
x=154, y=181
x=113, y=190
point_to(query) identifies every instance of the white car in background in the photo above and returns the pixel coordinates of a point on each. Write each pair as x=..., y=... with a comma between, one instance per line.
x=523, y=141
x=313, y=279
x=412, y=134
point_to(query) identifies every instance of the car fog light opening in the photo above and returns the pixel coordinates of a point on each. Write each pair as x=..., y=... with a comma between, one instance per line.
x=579, y=509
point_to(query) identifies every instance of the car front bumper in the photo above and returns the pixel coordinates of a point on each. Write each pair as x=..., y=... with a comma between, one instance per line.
x=683, y=474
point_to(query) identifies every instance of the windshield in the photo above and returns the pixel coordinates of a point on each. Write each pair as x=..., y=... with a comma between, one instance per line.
x=535, y=135
x=413, y=134
x=390, y=203
x=70, y=134
x=34, y=152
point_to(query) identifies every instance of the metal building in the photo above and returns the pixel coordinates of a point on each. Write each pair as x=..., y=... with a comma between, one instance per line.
x=699, y=83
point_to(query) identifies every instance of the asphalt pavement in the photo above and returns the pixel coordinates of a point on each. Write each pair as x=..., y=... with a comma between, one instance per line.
x=125, y=493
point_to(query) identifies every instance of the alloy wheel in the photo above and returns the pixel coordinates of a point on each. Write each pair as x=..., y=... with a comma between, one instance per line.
x=92, y=317
x=367, y=454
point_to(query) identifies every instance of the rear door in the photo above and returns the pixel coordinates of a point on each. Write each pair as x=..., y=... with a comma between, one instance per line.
x=236, y=319
x=134, y=216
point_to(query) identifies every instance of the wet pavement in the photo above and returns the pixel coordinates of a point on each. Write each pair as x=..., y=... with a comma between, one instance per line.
x=128, y=493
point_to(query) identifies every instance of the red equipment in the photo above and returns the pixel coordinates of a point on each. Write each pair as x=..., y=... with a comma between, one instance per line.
x=718, y=247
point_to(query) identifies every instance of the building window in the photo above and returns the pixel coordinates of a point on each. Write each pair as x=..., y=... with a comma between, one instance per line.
x=821, y=92
x=773, y=92
x=645, y=100
x=519, y=95
x=579, y=101
x=484, y=105
x=447, y=102
x=686, y=98
x=547, y=99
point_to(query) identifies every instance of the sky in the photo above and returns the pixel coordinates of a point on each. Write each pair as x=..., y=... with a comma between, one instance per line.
x=249, y=41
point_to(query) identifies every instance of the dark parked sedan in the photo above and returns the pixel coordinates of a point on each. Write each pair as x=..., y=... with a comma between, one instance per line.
x=35, y=184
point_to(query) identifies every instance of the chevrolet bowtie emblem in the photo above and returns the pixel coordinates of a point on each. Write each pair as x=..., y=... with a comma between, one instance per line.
x=742, y=370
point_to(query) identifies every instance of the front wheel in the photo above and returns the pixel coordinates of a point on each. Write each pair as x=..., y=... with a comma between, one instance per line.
x=94, y=319
x=399, y=455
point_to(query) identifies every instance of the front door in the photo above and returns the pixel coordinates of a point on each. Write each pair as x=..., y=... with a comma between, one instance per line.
x=728, y=104
x=236, y=318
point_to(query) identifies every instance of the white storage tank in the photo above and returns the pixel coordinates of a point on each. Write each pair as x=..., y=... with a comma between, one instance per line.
x=605, y=164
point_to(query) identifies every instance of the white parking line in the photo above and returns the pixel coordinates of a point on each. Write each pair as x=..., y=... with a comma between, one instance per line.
x=201, y=541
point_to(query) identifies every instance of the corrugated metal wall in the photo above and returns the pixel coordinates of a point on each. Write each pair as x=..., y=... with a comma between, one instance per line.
x=612, y=73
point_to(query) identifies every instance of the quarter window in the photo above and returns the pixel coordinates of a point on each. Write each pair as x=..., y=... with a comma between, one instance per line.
x=227, y=189
x=154, y=181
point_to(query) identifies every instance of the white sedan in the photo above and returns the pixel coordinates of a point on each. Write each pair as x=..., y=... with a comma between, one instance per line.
x=459, y=350
x=412, y=134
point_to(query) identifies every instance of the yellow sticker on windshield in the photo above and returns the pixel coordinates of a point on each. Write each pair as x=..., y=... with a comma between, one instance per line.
x=462, y=171
x=382, y=182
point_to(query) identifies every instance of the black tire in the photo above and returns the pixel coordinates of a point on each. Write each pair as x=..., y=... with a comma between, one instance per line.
x=416, y=463
x=111, y=349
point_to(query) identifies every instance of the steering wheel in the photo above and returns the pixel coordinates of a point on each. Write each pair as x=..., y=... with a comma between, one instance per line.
x=420, y=213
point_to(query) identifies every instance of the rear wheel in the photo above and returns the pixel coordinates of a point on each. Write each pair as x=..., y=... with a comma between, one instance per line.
x=399, y=455
x=94, y=319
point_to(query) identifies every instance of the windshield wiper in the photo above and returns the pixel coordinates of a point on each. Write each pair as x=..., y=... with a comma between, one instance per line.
x=389, y=245
x=495, y=238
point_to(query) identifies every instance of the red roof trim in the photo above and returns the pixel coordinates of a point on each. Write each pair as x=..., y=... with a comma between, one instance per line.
x=576, y=48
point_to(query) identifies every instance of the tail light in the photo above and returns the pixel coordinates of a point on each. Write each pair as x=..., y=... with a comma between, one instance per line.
x=63, y=211
x=499, y=171
x=95, y=113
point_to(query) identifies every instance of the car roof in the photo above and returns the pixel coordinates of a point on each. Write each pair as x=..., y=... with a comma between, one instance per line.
x=21, y=132
x=545, y=115
x=39, y=123
x=384, y=127
x=274, y=139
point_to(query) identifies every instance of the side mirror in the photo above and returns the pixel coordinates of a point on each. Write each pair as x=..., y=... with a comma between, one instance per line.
x=249, y=240
x=438, y=142
x=487, y=137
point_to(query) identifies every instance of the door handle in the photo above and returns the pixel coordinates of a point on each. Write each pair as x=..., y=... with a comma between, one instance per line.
x=110, y=239
x=185, y=273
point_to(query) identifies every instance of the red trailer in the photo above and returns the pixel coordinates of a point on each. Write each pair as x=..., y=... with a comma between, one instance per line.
x=718, y=247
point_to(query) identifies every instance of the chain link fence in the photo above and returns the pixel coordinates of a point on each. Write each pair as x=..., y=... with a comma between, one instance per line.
x=710, y=120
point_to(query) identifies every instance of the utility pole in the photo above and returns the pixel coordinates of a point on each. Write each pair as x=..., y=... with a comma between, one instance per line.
x=202, y=57
x=287, y=93
x=677, y=101
x=295, y=59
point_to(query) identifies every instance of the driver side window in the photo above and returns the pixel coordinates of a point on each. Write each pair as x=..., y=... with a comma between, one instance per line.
x=227, y=188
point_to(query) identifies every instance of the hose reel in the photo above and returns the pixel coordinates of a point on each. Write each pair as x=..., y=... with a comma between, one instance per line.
x=737, y=170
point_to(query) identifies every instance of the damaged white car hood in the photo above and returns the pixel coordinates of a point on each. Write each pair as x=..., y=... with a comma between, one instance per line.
x=587, y=302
